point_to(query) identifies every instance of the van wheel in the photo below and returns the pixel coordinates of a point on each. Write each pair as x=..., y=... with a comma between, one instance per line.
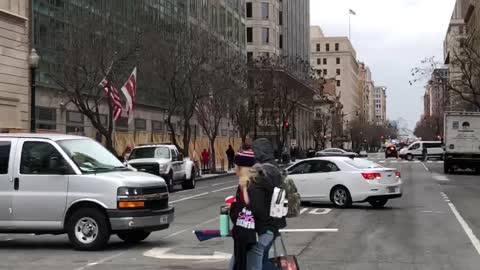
x=340, y=197
x=409, y=157
x=88, y=229
x=133, y=237
x=190, y=183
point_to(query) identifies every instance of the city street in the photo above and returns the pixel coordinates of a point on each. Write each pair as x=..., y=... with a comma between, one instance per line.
x=428, y=228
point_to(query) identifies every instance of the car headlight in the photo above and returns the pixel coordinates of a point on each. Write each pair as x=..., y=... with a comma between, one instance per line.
x=128, y=191
x=163, y=167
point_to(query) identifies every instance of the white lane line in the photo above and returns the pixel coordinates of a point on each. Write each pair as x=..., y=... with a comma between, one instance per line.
x=466, y=228
x=217, y=184
x=230, y=187
x=190, y=197
x=102, y=260
x=189, y=229
x=382, y=161
x=425, y=167
x=303, y=210
x=440, y=177
x=307, y=230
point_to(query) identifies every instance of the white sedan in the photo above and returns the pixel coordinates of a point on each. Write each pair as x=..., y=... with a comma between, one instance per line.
x=342, y=181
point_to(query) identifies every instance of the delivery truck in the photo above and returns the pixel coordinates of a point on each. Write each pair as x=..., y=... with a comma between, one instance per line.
x=462, y=141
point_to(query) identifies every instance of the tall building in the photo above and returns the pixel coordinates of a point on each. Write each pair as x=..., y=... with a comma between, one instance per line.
x=335, y=57
x=14, y=68
x=225, y=19
x=281, y=29
x=278, y=28
x=366, y=91
x=380, y=102
x=436, y=98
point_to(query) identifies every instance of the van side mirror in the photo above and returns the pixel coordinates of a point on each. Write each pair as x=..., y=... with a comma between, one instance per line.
x=57, y=165
x=180, y=157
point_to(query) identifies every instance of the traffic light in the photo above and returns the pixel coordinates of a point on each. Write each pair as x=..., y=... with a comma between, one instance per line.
x=286, y=124
x=439, y=136
x=325, y=137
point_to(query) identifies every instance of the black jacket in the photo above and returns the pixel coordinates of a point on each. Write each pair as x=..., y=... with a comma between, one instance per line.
x=261, y=187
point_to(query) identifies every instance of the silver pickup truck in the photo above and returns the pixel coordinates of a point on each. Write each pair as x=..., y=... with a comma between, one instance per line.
x=54, y=184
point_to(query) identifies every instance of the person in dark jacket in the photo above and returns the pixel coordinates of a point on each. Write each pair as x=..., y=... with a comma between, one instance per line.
x=230, y=156
x=266, y=176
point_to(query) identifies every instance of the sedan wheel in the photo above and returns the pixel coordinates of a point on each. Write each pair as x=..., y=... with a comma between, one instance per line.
x=341, y=197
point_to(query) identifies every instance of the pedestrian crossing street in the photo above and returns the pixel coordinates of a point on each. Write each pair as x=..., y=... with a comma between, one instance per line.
x=383, y=160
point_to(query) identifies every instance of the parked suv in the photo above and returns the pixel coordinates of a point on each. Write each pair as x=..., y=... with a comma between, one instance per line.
x=53, y=184
x=166, y=161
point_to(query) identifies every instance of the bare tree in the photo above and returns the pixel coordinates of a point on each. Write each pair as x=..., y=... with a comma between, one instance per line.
x=463, y=83
x=282, y=85
x=320, y=129
x=87, y=45
x=180, y=63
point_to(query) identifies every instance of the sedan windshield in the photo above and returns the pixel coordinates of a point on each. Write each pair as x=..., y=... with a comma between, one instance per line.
x=150, y=152
x=90, y=156
x=362, y=164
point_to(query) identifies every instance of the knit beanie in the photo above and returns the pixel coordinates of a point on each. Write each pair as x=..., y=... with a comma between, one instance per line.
x=245, y=158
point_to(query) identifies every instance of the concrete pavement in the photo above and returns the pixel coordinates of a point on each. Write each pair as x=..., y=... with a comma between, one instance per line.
x=417, y=231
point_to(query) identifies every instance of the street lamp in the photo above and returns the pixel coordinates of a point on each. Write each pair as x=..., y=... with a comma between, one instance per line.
x=33, y=61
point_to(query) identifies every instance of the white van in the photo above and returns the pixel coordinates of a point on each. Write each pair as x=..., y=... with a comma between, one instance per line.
x=54, y=184
x=415, y=150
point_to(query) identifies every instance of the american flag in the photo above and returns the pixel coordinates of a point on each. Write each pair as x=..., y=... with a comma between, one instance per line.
x=112, y=92
x=129, y=90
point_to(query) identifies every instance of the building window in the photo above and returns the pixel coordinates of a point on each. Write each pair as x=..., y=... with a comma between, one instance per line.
x=140, y=124
x=280, y=18
x=264, y=10
x=339, y=83
x=338, y=71
x=338, y=60
x=337, y=47
x=46, y=118
x=249, y=34
x=249, y=10
x=249, y=56
x=318, y=61
x=318, y=47
x=327, y=47
x=280, y=41
x=319, y=72
x=157, y=126
x=75, y=122
x=324, y=61
x=324, y=72
x=265, y=35
x=122, y=124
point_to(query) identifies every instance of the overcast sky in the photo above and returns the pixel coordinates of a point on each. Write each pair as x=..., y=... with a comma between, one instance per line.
x=391, y=37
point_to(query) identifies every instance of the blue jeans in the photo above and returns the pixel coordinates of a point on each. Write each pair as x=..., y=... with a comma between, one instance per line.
x=257, y=256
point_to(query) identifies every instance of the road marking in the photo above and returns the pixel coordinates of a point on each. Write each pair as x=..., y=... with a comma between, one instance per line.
x=218, y=184
x=307, y=230
x=303, y=210
x=382, y=161
x=189, y=229
x=190, y=197
x=163, y=253
x=466, y=228
x=434, y=212
x=425, y=167
x=102, y=260
x=440, y=177
x=323, y=211
x=230, y=187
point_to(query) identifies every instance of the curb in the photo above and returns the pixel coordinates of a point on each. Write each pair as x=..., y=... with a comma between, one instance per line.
x=215, y=176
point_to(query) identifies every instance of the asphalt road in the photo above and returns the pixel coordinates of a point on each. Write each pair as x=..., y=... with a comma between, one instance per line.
x=435, y=225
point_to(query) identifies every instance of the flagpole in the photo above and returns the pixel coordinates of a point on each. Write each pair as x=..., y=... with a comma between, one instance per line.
x=349, y=29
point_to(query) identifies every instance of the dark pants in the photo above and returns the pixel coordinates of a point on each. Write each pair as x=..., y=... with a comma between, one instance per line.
x=230, y=163
x=205, y=165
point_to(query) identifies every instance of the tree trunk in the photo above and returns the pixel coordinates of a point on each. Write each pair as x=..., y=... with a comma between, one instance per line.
x=186, y=138
x=212, y=154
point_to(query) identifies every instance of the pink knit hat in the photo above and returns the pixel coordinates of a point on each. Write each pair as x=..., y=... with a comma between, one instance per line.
x=245, y=158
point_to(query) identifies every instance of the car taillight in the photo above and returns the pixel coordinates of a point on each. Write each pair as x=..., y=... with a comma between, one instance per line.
x=398, y=174
x=391, y=148
x=371, y=176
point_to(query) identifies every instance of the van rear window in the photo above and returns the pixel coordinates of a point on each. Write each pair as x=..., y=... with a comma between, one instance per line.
x=4, y=156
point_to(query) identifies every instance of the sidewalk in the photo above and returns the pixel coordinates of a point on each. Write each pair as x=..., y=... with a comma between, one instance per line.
x=215, y=176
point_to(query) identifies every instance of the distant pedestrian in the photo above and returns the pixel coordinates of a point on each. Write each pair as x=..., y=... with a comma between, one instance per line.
x=424, y=154
x=230, y=156
x=196, y=162
x=205, y=159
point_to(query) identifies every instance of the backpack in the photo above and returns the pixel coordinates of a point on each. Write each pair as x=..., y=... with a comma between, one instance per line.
x=285, y=198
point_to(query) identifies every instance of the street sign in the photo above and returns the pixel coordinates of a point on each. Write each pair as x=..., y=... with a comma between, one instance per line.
x=293, y=142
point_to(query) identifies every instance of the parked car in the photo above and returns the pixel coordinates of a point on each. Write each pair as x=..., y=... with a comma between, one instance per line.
x=54, y=184
x=335, y=152
x=362, y=153
x=416, y=150
x=343, y=181
x=391, y=151
x=166, y=161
